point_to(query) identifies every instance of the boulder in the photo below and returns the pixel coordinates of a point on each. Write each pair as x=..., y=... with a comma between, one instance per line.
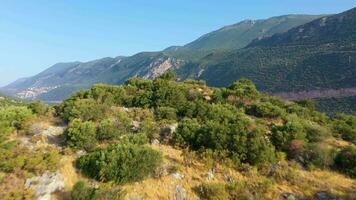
x=325, y=196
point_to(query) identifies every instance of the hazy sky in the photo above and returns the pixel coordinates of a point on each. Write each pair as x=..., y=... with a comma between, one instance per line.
x=35, y=34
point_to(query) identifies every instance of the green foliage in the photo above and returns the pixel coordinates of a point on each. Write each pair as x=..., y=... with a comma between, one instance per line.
x=11, y=118
x=166, y=113
x=108, y=130
x=259, y=148
x=14, y=157
x=283, y=135
x=265, y=109
x=345, y=126
x=81, y=191
x=37, y=107
x=316, y=155
x=81, y=135
x=345, y=161
x=244, y=88
x=121, y=163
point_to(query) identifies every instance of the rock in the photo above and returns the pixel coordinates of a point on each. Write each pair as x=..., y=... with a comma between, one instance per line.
x=155, y=142
x=210, y=175
x=180, y=193
x=80, y=153
x=177, y=175
x=291, y=196
x=167, y=131
x=325, y=196
x=44, y=185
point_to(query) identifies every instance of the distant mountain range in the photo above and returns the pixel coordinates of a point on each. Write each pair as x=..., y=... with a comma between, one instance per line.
x=287, y=55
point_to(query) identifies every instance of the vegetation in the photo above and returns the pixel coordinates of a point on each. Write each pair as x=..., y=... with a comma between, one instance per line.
x=228, y=130
x=121, y=163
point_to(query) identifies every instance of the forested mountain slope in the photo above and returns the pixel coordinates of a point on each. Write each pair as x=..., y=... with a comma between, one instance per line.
x=317, y=56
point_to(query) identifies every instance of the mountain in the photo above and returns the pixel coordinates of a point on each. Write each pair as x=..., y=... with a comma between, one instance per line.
x=62, y=79
x=316, y=57
x=241, y=34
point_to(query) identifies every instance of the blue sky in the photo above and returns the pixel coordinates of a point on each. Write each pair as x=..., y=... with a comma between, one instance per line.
x=35, y=34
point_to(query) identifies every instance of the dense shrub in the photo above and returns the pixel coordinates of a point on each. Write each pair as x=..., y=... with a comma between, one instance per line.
x=81, y=135
x=121, y=163
x=11, y=118
x=37, y=107
x=265, y=109
x=166, y=113
x=259, y=148
x=345, y=161
x=317, y=155
x=283, y=135
x=345, y=126
x=107, y=130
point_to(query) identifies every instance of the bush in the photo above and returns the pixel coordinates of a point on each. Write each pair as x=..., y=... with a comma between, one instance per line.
x=37, y=107
x=165, y=113
x=259, y=149
x=283, y=135
x=121, y=163
x=316, y=133
x=108, y=130
x=81, y=135
x=345, y=126
x=212, y=191
x=345, y=161
x=316, y=155
x=265, y=109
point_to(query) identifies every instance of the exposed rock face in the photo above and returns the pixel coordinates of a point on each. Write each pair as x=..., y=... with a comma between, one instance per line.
x=161, y=66
x=44, y=185
x=180, y=193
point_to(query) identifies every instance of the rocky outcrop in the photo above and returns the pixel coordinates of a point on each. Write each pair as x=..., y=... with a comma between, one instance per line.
x=46, y=184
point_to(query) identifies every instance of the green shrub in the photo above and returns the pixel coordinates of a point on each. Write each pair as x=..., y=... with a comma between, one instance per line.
x=259, y=148
x=265, y=109
x=316, y=133
x=81, y=135
x=283, y=135
x=108, y=130
x=316, y=155
x=121, y=163
x=212, y=191
x=165, y=113
x=345, y=126
x=37, y=107
x=345, y=161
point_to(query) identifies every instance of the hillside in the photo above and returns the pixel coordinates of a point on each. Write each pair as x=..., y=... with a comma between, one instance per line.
x=162, y=139
x=62, y=79
x=317, y=56
x=239, y=35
